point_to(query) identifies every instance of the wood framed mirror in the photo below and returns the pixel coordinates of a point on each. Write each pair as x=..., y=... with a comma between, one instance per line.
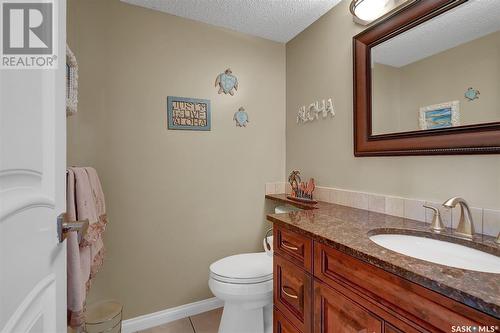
x=427, y=81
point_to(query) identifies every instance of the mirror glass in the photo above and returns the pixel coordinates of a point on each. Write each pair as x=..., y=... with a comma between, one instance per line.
x=442, y=73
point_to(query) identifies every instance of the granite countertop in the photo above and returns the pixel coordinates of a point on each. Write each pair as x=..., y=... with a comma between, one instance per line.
x=348, y=229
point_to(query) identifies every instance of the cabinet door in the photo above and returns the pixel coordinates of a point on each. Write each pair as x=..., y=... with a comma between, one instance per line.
x=422, y=307
x=388, y=328
x=292, y=293
x=282, y=325
x=335, y=313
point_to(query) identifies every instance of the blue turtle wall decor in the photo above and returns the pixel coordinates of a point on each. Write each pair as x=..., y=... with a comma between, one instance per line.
x=227, y=82
x=241, y=118
x=472, y=94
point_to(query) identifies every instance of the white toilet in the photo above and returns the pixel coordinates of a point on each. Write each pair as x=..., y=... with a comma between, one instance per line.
x=245, y=283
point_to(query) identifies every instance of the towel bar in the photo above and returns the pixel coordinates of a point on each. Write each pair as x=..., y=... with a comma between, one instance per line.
x=63, y=227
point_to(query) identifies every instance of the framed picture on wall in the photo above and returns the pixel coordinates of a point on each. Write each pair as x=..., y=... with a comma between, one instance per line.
x=185, y=113
x=440, y=115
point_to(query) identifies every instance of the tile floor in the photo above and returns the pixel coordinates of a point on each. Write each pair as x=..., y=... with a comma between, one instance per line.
x=207, y=322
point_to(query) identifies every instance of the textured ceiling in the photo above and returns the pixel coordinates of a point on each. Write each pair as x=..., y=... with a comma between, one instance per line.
x=465, y=23
x=277, y=20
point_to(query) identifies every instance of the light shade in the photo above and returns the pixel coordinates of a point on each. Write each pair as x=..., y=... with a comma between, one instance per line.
x=368, y=10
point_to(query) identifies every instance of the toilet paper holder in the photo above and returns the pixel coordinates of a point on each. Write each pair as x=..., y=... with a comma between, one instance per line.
x=268, y=233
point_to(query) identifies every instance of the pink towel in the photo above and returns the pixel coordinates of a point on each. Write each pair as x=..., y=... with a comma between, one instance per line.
x=85, y=200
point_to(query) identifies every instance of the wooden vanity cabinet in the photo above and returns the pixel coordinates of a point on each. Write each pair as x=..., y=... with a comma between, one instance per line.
x=330, y=291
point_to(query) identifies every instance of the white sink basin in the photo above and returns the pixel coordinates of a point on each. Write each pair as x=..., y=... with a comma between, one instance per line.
x=440, y=252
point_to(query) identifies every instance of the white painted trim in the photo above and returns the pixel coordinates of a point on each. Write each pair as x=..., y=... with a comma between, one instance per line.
x=165, y=316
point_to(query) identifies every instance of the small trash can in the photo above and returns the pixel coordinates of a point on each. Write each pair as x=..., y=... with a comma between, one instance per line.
x=104, y=317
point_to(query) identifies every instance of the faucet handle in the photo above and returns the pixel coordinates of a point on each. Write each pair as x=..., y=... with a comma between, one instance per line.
x=437, y=223
x=498, y=239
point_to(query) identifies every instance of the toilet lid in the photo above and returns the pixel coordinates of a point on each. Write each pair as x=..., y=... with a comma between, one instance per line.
x=243, y=268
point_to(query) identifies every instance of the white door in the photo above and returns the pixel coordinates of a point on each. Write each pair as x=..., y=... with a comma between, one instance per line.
x=32, y=193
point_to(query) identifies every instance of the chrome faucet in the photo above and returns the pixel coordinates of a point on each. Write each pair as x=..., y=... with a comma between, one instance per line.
x=465, y=226
x=498, y=239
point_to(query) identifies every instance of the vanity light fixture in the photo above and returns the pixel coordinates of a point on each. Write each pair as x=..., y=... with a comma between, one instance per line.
x=366, y=12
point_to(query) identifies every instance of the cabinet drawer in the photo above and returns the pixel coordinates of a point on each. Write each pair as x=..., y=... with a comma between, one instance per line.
x=335, y=313
x=293, y=246
x=282, y=325
x=292, y=293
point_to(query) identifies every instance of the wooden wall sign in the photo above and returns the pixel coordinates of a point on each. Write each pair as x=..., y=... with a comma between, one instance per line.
x=188, y=113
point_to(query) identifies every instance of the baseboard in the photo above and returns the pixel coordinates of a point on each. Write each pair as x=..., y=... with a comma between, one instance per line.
x=165, y=316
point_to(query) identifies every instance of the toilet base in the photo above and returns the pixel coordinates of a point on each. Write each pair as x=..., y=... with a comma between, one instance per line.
x=239, y=319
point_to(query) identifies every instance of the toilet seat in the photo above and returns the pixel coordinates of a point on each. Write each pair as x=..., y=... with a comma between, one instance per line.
x=248, y=268
x=241, y=281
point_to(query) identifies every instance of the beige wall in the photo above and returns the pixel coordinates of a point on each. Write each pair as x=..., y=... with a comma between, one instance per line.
x=176, y=200
x=440, y=78
x=319, y=65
